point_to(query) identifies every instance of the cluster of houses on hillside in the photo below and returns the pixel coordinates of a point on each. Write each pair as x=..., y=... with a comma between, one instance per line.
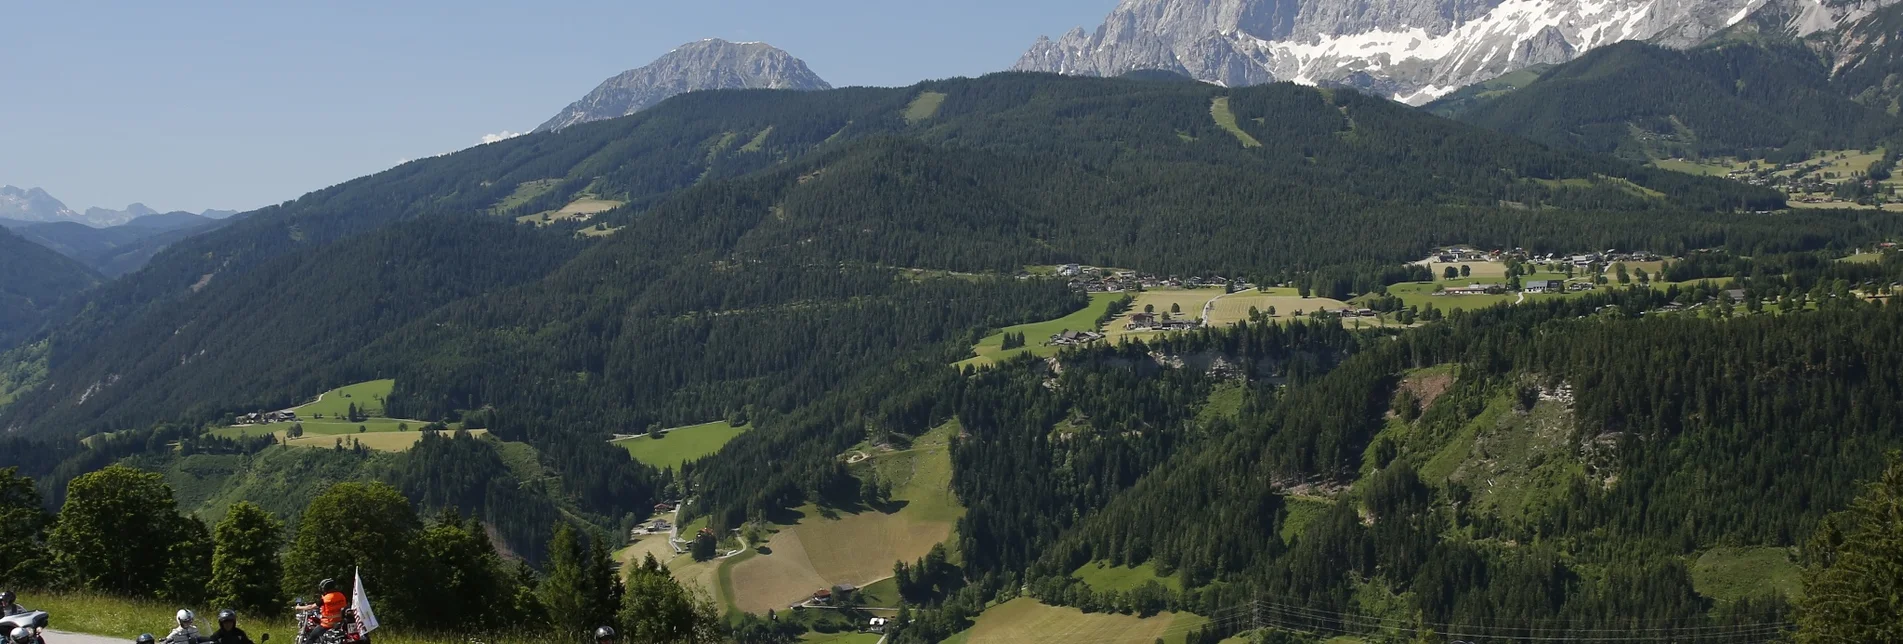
x=1074, y=338
x=1144, y=321
x=264, y=417
x=1464, y=254
x=1093, y=279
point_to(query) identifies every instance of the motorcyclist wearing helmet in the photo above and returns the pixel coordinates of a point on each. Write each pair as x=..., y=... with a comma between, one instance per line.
x=23, y=635
x=145, y=638
x=187, y=631
x=9, y=607
x=228, y=631
x=330, y=609
x=605, y=635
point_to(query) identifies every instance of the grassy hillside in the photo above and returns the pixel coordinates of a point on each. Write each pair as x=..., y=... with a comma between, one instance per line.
x=1026, y=620
x=815, y=548
x=990, y=350
x=681, y=444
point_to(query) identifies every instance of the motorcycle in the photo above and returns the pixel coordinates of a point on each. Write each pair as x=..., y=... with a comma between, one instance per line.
x=348, y=630
x=34, y=621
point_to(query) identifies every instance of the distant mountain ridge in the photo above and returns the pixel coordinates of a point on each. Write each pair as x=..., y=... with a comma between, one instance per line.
x=1413, y=51
x=35, y=205
x=704, y=65
x=1756, y=90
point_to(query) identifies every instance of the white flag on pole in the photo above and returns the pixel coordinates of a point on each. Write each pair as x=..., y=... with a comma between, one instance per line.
x=361, y=603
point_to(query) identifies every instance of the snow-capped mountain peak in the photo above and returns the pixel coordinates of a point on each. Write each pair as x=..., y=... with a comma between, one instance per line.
x=1412, y=50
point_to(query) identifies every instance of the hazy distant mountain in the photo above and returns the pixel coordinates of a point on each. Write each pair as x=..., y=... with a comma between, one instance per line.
x=102, y=217
x=708, y=64
x=1410, y=50
x=33, y=205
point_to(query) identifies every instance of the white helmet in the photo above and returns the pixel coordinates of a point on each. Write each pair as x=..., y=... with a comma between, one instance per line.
x=21, y=634
x=185, y=616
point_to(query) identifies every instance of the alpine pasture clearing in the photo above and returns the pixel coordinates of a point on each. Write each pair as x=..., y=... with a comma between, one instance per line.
x=367, y=396
x=924, y=107
x=823, y=548
x=680, y=445
x=1233, y=309
x=380, y=441
x=524, y=192
x=991, y=349
x=1028, y=620
x=1102, y=576
x=1225, y=117
x=1731, y=574
x=582, y=207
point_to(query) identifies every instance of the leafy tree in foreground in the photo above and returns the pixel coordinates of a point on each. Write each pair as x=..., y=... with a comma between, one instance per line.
x=657, y=609
x=245, y=571
x=564, y=592
x=1854, y=587
x=351, y=526
x=116, y=531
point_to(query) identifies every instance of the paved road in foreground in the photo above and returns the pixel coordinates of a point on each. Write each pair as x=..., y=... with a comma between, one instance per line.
x=60, y=637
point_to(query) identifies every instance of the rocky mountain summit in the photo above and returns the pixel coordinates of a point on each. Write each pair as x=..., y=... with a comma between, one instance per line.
x=708, y=64
x=1411, y=50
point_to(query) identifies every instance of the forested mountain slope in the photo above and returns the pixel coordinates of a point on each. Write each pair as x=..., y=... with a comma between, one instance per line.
x=33, y=282
x=1025, y=168
x=1751, y=99
x=774, y=248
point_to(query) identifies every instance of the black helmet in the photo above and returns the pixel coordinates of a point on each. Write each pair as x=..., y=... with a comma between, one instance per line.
x=145, y=638
x=6, y=596
x=604, y=633
x=227, y=615
x=327, y=585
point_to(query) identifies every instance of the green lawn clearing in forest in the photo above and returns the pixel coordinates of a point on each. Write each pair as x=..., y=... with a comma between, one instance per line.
x=1863, y=258
x=1731, y=574
x=1102, y=576
x=818, y=548
x=379, y=441
x=1219, y=110
x=680, y=445
x=1027, y=620
x=524, y=192
x=367, y=396
x=924, y=107
x=582, y=207
x=759, y=141
x=991, y=349
x=1302, y=512
x=816, y=637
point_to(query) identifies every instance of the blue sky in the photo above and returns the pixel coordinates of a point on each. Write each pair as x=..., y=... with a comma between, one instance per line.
x=191, y=105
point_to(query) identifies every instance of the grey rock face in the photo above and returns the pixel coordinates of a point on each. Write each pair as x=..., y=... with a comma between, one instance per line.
x=705, y=65
x=32, y=205
x=1412, y=50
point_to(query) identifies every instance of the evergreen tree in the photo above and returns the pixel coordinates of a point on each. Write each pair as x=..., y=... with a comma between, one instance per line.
x=190, y=562
x=564, y=591
x=1854, y=585
x=23, y=555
